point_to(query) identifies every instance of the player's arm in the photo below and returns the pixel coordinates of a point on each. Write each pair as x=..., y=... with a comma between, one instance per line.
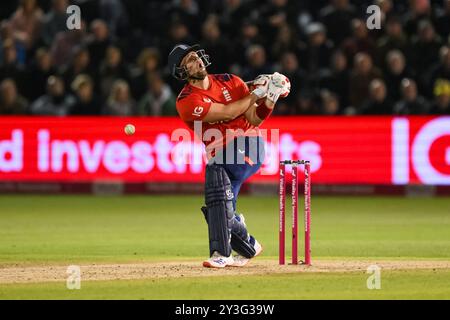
x=257, y=113
x=227, y=112
x=276, y=85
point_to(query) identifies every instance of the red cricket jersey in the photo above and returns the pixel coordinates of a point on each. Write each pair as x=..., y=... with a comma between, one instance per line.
x=193, y=104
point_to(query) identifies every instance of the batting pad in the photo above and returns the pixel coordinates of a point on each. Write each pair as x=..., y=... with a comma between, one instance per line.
x=239, y=237
x=239, y=240
x=220, y=214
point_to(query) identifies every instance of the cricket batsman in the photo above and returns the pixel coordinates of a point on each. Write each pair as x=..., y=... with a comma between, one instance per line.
x=224, y=103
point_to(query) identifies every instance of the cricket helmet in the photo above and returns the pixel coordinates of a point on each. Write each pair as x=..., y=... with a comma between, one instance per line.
x=176, y=56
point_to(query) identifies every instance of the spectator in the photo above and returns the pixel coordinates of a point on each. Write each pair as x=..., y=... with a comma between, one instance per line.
x=440, y=71
x=337, y=18
x=7, y=34
x=419, y=10
x=396, y=72
x=306, y=105
x=395, y=39
x=250, y=35
x=386, y=12
x=215, y=45
x=81, y=62
x=186, y=12
x=256, y=63
x=386, y=7
x=411, y=102
x=159, y=99
x=362, y=75
x=425, y=47
x=111, y=69
x=234, y=14
x=329, y=103
x=115, y=15
x=316, y=54
x=149, y=18
x=286, y=41
x=443, y=20
x=27, y=23
x=337, y=78
x=98, y=41
x=275, y=14
x=441, y=105
x=54, y=21
x=39, y=72
x=360, y=41
x=179, y=32
x=10, y=68
x=408, y=45
x=11, y=103
x=378, y=102
x=65, y=44
x=86, y=102
x=147, y=62
x=290, y=67
x=55, y=102
x=119, y=102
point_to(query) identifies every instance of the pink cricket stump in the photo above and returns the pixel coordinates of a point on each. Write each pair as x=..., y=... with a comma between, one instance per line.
x=307, y=214
x=282, y=230
x=294, y=214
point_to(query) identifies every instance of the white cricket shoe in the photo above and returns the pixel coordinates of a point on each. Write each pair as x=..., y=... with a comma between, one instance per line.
x=218, y=261
x=240, y=261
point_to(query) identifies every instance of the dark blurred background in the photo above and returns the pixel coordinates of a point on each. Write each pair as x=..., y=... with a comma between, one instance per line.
x=116, y=63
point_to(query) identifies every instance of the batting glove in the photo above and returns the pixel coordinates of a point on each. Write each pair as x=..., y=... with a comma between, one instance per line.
x=286, y=86
x=260, y=85
x=279, y=86
x=275, y=88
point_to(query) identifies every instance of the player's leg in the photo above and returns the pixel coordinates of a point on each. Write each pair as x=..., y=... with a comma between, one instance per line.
x=254, y=158
x=240, y=171
x=241, y=241
x=219, y=214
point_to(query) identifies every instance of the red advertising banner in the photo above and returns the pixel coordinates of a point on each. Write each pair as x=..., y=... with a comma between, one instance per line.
x=342, y=150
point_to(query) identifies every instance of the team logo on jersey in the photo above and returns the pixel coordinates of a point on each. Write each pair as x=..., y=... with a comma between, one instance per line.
x=229, y=194
x=207, y=100
x=226, y=94
x=197, y=111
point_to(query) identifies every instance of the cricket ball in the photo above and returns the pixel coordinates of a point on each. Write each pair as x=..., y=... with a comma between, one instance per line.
x=129, y=129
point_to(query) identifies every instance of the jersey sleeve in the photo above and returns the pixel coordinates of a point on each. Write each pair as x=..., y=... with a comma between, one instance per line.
x=240, y=84
x=193, y=107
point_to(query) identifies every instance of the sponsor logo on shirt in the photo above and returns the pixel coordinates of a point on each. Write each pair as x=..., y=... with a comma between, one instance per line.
x=226, y=94
x=197, y=111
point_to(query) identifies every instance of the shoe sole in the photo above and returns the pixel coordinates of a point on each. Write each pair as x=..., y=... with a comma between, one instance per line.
x=207, y=264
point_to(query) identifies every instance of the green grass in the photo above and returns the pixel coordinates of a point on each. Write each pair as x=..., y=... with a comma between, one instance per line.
x=419, y=284
x=84, y=229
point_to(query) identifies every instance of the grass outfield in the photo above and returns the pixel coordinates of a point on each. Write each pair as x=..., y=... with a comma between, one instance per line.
x=65, y=230
x=418, y=284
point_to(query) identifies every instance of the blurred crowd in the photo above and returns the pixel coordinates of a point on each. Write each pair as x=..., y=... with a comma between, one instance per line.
x=115, y=64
